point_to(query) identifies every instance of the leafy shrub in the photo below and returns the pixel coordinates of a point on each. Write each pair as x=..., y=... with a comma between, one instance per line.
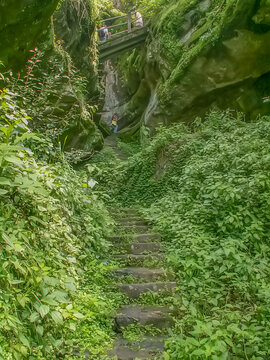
x=53, y=229
x=208, y=192
x=54, y=94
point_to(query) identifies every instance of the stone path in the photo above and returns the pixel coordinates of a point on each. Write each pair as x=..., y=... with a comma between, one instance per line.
x=142, y=270
x=111, y=142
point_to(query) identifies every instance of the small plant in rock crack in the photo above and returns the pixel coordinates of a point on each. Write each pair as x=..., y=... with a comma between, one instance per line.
x=157, y=298
x=136, y=332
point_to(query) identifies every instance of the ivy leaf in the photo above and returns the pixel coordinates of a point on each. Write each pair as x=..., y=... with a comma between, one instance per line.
x=7, y=239
x=34, y=316
x=3, y=192
x=43, y=310
x=4, y=181
x=40, y=330
x=57, y=317
x=13, y=159
x=24, y=340
x=60, y=296
x=72, y=326
x=198, y=352
x=79, y=316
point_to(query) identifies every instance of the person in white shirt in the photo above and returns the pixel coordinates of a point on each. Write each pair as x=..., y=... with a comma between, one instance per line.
x=139, y=19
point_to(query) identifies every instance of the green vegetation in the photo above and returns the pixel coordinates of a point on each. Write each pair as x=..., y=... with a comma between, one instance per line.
x=54, y=94
x=204, y=186
x=207, y=190
x=53, y=238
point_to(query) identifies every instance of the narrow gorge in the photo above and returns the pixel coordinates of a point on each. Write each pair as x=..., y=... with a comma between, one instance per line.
x=134, y=179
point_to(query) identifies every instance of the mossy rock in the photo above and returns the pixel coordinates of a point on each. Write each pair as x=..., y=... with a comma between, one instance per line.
x=262, y=17
x=24, y=24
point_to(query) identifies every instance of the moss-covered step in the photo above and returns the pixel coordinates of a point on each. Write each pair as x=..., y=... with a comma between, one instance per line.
x=149, y=237
x=134, y=228
x=139, y=248
x=148, y=348
x=148, y=260
x=157, y=316
x=131, y=221
x=134, y=291
x=140, y=273
x=124, y=212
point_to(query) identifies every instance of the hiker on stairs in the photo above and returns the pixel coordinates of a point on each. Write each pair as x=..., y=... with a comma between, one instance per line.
x=115, y=123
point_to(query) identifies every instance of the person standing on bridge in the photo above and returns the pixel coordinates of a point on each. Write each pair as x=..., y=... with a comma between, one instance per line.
x=139, y=19
x=115, y=123
x=102, y=34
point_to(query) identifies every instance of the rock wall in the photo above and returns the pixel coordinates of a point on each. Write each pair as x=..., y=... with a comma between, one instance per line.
x=201, y=54
x=74, y=24
x=114, y=93
x=74, y=27
x=23, y=25
x=64, y=72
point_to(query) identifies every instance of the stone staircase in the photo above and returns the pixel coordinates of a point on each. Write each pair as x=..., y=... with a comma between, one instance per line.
x=111, y=142
x=143, y=270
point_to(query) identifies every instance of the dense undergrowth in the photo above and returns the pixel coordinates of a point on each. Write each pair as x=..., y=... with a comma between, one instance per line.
x=53, y=230
x=207, y=191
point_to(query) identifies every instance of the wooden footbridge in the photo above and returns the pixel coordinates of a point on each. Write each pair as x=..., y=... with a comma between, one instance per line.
x=122, y=36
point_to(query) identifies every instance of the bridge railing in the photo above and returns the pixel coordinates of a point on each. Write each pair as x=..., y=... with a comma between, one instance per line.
x=124, y=27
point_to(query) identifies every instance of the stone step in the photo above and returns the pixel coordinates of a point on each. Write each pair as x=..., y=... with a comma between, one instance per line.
x=148, y=348
x=141, y=260
x=142, y=273
x=124, y=219
x=132, y=222
x=129, y=211
x=135, y=228
x=151, y=237
x=136, y=290
x=157, y=316
x=139, y=248
x=124, y=212
x=120, y=215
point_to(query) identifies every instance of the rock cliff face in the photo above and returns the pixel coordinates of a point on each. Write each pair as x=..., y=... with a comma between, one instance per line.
x=64, y=82
x=74, y=27
x=23, y=25
x=200, y=55
x=74, y=23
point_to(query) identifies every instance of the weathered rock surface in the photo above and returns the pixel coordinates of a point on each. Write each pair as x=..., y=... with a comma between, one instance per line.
x=75, y=24
x=158, y=316
x=141, y=260
x=153, y=280
x=136, y=290
x=142, y=273
x=132, y=221
x=148, y=348
x=139, y=248
x=17, y=18
x=65, y=68
x=216, y=57
x=137, y=237
x=224, y=77
x=135, y=228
